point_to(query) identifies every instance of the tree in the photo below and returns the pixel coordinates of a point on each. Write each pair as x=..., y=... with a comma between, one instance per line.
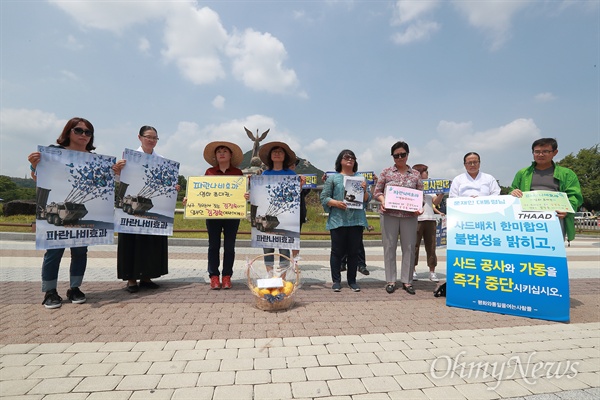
x=586, y=166
x=6, y=184
x=9, y=190
x=182, y=182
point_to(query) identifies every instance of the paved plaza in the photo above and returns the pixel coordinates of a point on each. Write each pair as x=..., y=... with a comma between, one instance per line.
x=184, y=341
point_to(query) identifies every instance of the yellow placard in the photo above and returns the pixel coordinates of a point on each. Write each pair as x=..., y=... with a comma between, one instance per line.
x=210, y=197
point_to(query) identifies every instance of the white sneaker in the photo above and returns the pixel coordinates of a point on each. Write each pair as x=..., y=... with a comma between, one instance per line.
x=433, y=277
x=415, y=277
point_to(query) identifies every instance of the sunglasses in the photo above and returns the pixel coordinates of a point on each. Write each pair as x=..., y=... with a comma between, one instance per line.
x=349, y=158
x=81, y=131
x=399, y=155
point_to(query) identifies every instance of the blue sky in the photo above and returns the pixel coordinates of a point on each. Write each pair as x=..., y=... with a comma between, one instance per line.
x=447, y=77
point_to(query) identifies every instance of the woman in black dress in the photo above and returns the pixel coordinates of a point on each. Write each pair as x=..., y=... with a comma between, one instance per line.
x=142, y=257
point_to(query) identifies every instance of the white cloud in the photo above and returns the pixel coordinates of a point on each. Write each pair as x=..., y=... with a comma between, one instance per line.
x=187, y=143
x=544, y=97
x=444, y=152
x=410, y=14
x=410, y=10
x=420, y=30
x=69, y=75
x=492, y=16
x=24, y=129
x=196, y=41
x=218, y=102
x=454, y=129
x=258, y=62
x=73, y=43
x=113, y=16
x=144, y=45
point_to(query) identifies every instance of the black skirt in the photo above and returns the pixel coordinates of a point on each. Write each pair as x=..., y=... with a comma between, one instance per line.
x=142, y=256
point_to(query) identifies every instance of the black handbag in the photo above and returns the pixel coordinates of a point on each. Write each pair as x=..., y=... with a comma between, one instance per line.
x=440, y=291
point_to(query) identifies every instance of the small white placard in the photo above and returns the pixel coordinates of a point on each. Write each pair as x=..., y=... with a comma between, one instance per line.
x=269, y=283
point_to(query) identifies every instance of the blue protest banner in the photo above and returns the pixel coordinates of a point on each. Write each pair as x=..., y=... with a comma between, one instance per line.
x=504, y=260
x=441, y=231
x=310, y=181
x=434, y=186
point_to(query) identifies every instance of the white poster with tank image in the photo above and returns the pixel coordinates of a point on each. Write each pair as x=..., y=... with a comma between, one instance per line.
x=74, y=199
x=146, y=194
x=354, y=193
x=275, y=211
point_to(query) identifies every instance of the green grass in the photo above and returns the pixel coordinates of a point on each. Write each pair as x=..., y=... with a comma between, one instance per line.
x=315, y=223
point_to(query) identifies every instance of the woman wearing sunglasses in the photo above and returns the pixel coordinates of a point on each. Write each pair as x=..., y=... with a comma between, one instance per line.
x=344, y=224
x=77, y=135
x=397, y=223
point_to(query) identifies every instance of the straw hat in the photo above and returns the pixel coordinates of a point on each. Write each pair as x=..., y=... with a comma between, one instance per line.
x=265, y=149
x=236, y=153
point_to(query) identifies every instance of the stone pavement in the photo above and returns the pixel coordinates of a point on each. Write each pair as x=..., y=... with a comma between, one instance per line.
x=184, y=341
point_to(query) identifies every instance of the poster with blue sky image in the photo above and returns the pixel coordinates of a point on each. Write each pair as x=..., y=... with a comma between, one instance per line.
x=146, y=194
x=504, y=260
x=74, y=199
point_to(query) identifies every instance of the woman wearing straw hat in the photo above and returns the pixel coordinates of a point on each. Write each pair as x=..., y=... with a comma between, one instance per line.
x=225, y=157
x=278, y=157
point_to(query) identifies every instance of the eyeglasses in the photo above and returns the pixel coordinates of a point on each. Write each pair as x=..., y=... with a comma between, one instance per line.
x=399, y=155
x=81, y=131
x=542, y=152
x=472, y=163
x=153, y=138
x=349, y=158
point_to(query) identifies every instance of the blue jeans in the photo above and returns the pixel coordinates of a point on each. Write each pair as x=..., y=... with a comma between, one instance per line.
x=345, y=240
x=52, y=263
x=229, y=227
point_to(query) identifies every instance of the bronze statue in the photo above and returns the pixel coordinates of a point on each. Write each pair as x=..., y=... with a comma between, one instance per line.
x=256, y=139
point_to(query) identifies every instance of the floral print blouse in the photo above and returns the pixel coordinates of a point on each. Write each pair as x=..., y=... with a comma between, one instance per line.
x=391, y=176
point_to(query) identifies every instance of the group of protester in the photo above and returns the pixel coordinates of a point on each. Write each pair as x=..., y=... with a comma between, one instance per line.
x=142, y=258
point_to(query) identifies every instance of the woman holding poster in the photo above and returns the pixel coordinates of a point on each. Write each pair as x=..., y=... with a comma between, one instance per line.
x=398, y=222
x=345, y=222
x=225, y=157
x=278, y=157
x=77, y=135
x=142, y=257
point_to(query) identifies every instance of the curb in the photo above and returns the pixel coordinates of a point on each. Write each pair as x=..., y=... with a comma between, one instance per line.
x=30, y=237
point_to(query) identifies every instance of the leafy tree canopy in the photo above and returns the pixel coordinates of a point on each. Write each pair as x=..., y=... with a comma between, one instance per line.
x=586, y=164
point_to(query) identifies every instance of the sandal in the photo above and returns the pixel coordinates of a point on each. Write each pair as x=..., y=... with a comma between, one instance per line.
x=409, y=289
x=390, y=288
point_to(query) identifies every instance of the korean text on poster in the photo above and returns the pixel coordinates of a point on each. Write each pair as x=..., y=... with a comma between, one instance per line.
x=275, y=211
x=401, y=198
x=434, y=186
x=545, y=200
x=504, y=260
x=74, y=199
x=310, y=181
x=146, y=194
x=210, y=197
